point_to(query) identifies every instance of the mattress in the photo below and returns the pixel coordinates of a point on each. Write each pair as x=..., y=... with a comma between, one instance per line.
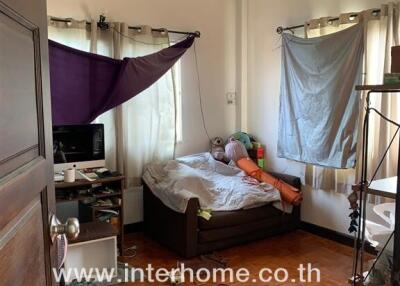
x=217, y=186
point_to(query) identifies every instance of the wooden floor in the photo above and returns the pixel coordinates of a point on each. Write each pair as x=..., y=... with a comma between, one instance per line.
x=334, y=260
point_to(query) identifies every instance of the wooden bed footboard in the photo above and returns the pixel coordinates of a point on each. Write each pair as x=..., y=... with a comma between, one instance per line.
x=177, y=231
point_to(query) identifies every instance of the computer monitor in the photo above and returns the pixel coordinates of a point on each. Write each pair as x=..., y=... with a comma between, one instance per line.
x=78, y=146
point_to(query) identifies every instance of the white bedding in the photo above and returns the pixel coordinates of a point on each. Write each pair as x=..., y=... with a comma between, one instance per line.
x=218, y=187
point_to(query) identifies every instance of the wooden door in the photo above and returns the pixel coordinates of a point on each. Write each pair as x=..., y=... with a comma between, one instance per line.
x=26, y=176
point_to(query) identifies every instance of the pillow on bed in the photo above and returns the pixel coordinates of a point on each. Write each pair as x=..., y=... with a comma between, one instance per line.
x=235, y=150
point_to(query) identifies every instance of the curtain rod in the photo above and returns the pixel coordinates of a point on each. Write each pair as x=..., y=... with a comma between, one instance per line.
x=280, y=29
x=104, y=25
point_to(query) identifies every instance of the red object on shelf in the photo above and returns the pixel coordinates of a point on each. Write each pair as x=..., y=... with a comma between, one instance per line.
x=260, y=153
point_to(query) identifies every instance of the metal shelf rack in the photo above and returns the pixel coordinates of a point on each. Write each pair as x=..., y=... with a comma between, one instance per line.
x=388, y=187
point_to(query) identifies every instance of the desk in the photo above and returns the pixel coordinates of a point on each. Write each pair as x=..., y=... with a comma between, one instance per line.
x=385, y=187
x=87, y=193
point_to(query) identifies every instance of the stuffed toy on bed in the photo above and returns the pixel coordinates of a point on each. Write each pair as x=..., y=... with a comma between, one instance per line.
x=218, y=150
x=244, y=138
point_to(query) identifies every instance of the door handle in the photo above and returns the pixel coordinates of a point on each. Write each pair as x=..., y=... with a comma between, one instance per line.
x=71, y=228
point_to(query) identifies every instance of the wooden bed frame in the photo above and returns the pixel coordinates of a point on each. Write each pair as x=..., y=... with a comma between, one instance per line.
x=190, y=235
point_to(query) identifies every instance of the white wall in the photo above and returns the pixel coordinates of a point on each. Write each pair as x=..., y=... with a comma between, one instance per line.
x=327, y=209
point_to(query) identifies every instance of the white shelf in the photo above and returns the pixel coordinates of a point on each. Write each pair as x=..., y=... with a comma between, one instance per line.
x=385, y=187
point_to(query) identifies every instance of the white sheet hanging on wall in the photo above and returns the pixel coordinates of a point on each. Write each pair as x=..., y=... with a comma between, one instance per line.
x=318, y=105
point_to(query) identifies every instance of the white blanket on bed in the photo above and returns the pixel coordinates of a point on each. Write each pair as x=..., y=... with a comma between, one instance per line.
x=218, y=187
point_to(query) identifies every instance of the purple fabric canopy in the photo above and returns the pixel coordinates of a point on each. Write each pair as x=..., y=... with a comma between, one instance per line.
x=85, y=85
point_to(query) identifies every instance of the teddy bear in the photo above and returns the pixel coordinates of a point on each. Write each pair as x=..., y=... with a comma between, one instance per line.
x=218, y=150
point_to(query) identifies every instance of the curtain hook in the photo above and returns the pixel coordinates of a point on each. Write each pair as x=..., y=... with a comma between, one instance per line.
x=163, y=31
x=102, y=24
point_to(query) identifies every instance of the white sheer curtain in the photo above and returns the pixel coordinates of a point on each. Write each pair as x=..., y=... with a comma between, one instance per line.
x=382, y=32
x=142, y=129
x=148, y=120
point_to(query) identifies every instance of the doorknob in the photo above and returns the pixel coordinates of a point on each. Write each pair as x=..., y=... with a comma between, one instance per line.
x=70, y=228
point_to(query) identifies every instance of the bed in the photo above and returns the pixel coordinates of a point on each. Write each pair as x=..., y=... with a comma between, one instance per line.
x=184, y=232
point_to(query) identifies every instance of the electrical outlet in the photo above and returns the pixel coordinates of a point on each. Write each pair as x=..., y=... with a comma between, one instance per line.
x=231, y=98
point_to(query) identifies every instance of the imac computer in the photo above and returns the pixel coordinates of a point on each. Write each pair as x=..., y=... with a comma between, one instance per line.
x=78, y=146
